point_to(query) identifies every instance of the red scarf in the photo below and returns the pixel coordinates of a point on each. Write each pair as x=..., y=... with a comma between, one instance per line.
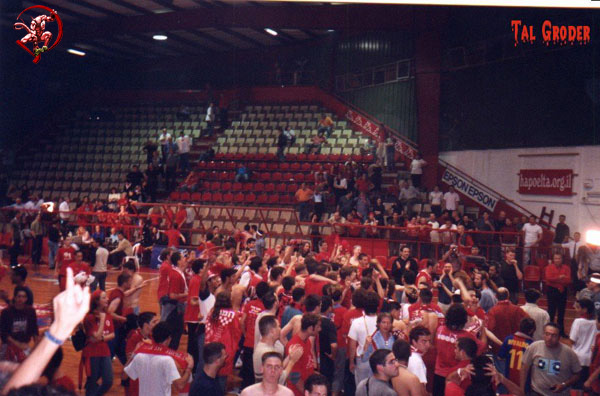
x=151, y=348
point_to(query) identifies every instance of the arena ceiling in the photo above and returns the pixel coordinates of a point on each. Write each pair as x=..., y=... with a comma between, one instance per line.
x=124, y=29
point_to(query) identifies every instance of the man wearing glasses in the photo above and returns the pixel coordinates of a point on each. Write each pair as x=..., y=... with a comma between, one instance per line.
x=385, y=367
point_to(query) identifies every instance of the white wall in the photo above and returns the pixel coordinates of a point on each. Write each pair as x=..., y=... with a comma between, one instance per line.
x=499, y=170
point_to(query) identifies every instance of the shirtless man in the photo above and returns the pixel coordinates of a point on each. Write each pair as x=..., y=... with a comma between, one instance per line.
x=272, y=364
x=229, y=283
x=405, y=383
x=132, y=296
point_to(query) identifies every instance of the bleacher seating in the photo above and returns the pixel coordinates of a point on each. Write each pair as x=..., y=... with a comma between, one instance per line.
x=93, y=155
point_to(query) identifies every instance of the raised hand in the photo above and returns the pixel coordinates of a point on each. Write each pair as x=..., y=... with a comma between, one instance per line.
x=70, y=307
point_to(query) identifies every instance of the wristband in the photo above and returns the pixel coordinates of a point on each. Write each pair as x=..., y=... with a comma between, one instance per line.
x=55, y=340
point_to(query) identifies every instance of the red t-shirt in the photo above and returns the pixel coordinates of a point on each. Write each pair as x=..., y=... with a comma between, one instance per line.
x=445, y=341
x=339, y=311
x=192, y=311
x=163, y=278
x=322, y=256
x=82, y=266
x=313, y=286
x=251, y=310
x=347, y=300
x=114, y=294
x=453, y=389
x=347, y=321
x=305, y=366
x=64, y=256
x=97, y=348
x=181, y=216
x=177, y=283
x=173, y=236
x=425, y=275
x=504, y=319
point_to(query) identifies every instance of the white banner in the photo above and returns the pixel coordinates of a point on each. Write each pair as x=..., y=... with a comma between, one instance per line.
x=477, y=194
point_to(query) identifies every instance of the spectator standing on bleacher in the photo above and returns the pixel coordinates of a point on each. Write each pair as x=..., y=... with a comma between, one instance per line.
x=163, y=140
x=282, y=142
x=184, y=144
x=533, y=236
x=303, y=197
x=416, y=170
x=135, y=176
x=408, y=197
x=290, y=134
x=325, y=126
x=150, y=148
x=210, y=119
x=562, y=232
x=171, y=165
x=390, y=155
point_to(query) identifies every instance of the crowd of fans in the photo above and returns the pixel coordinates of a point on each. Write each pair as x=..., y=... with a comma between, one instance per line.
x=308, y=319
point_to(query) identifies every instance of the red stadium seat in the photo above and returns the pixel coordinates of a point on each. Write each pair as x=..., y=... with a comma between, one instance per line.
x=269, y=187
x=185, y=196
x=357, y=158
x=262, y=165
x=532, y=276
x=259, y=187
x=383, y=261
x=227, y=197
x=250, y=198
x=368, y=158
x=311, y=157
x=272, y=166
x=238, y=198
x=286, y=199
x=207, y=197
x=301, y=157
x=273, y=199
x=287, y=176
x=315, y=167
x=291, y=157
x=295, y=166
x=264, y=176
x=276, y=176
x=280, y=188
x=284, y=166
x=262, y=198
x=335, y=157
x=247, y=187
x=321, y=157
x=226, y=186
x=175, y=196
x=306, y=167
x=217, y=197
x=344, y=157
x=236, y=187
x=196, y=197
x=215, y=186
x=299, y=177
x=292, y=188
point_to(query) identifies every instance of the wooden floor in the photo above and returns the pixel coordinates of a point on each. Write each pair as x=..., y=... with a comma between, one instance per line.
x=44, y=285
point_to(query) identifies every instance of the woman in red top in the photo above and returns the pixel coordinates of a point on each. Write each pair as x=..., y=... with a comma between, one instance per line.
x=224, y=326
x=98, y=327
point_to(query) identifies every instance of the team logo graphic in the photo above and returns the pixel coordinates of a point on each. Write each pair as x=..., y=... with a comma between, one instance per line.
x=37, y=33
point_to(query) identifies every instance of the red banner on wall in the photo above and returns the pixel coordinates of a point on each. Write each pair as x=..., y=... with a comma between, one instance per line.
x=546, y=182
x=371, y=129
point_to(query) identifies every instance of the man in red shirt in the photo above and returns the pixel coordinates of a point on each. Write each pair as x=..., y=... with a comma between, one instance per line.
x=250, y=312
x=116, y=308
x=64, y=257
x=77, y=265
x=178, y=292
x=324, y=253
x=174, y=236
x=558, y=278
x=337, y=384
x=315, y=282
x=163, y=279
x=504, y=318
x=424, y=276
x=306, y=365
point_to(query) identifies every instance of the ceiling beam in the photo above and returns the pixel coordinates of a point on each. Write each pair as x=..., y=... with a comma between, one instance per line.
x=132, y=7
x=341, y=17
x=216, y=40
x=84, y=3
x=243, y=37
x=67, y=11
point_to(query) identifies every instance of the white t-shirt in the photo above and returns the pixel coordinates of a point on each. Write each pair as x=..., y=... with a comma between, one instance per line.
x=155, y=372
x=184, y=143
x=583, y=332
x=259, y=350
x=206, y=306
x=101, y=260
x=532, y=232
x=435, y=198
x=64, y=207
x=163, y=138
x=434, y=235
x=451, y=200
x=416, y=166
x=359, y=328
x=416, y=365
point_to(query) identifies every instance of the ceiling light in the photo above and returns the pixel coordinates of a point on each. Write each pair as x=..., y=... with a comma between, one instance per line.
x=75, y=52
x=271, y=32
x=159, y=37
x=330, y=30
x=593, y=237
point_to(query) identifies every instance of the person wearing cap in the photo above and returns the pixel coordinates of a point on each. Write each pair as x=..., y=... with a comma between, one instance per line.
x=592, y=291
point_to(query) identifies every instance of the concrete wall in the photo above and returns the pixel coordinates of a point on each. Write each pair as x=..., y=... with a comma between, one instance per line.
x=499, y=170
